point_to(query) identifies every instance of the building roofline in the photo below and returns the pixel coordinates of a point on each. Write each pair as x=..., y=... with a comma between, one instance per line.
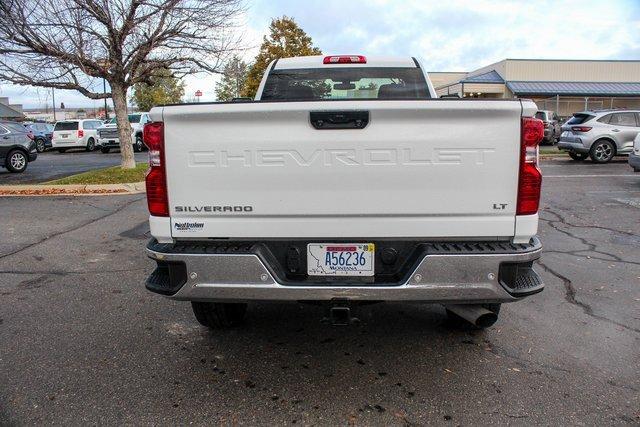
x=570, y=81
x=447, y=85
x=471, y=82
x=572, y=60
x=582, y=94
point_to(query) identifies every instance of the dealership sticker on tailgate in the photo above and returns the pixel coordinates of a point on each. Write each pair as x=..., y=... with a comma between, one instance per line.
x=188, y=226
x=340, y=259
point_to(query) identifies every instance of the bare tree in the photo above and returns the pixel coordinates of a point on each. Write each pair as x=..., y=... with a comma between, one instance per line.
x=73, y=44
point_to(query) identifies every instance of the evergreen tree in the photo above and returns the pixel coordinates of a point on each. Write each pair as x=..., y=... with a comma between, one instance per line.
x=165, y=88
x=285, y=39
x=233, y=79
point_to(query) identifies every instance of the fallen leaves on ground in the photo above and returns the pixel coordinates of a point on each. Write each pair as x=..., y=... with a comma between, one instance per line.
x=57, y=191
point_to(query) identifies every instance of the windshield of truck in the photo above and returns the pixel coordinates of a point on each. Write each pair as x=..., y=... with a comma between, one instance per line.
x=133, y=118
x=318, y=84
x=66, y=126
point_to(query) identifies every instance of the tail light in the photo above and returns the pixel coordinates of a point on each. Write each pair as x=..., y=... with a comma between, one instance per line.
x=530, y=177
x=80, y=133
x=344, y=59
x=580, y=128
x=156, y=179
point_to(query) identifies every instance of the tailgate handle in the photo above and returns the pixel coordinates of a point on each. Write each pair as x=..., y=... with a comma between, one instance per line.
x=339, y=119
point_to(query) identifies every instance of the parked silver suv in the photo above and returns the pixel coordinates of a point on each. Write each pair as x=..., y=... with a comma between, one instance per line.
x=634, y=157
x=600, y=134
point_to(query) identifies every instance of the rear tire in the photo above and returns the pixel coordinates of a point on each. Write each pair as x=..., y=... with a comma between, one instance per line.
x=16, y=161
x=105, y=150
x=578, y=156
x=91, y=144
x=40, y=147
x=216, y=315
x=602, y=151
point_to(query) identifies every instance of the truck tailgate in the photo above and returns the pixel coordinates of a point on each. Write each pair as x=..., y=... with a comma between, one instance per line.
x=423, y=169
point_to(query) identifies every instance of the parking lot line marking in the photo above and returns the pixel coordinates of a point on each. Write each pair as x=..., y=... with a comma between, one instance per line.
x=588, y=176
x=612, y=191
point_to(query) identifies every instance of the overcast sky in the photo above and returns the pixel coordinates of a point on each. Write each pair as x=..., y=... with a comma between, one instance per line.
x=450, y=35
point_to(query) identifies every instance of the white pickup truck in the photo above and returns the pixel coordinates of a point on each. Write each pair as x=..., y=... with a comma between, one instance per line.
x=344, y=181
x=108, y=133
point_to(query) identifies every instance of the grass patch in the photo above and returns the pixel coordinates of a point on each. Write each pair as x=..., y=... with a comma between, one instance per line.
x=113, y=175
x=552, y=150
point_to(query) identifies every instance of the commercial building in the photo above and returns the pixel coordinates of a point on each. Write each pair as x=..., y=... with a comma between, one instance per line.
x=564, y=86
x=10, y=111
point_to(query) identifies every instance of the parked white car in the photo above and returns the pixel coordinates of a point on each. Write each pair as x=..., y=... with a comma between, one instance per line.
x=108, y=133
x=75, y=134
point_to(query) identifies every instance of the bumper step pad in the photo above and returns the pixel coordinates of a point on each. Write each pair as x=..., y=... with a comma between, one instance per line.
x=520, y=280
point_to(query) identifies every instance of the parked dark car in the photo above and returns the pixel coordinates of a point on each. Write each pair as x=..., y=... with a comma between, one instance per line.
x=17, y=146
x=552, y=128
x=42, y=134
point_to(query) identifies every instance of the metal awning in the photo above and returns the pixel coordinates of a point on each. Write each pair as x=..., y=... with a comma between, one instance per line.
x=489, y=77
x=574, y=88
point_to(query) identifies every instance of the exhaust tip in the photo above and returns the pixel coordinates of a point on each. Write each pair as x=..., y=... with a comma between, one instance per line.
x=476, y=315
x=486, y=320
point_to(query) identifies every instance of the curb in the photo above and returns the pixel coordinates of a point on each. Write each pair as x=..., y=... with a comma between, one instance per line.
x=553, y=156
x=72, y=190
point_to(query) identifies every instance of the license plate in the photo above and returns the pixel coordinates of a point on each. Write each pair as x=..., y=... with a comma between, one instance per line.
x=64, y=135
x=340, y=259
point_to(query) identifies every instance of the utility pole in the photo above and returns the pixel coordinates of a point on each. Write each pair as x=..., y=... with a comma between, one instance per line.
x=53, y=96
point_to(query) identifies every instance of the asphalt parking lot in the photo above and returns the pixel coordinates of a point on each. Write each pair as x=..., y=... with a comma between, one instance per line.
x=52, y=165
x=82, y=341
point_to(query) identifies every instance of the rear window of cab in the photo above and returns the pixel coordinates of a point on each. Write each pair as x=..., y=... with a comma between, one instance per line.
x=331, y=83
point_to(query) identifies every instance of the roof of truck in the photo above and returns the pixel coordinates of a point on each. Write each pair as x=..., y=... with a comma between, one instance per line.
x=317, y=61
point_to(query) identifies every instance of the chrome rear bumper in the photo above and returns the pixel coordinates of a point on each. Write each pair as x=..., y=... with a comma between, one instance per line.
x=461, y=276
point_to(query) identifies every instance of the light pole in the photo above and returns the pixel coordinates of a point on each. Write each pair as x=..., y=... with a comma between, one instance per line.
x=104, y=90
x=104, y=63
x=53, y=96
